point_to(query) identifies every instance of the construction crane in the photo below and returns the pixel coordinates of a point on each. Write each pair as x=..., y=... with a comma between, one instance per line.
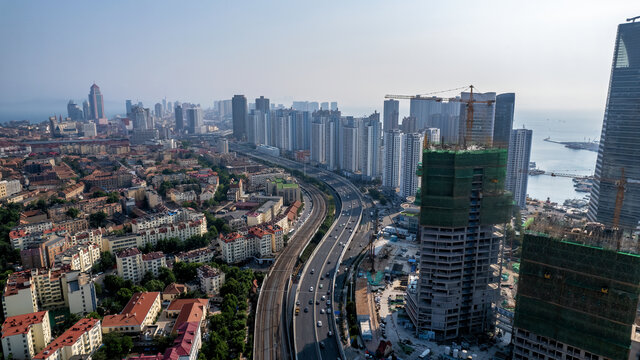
x=469, y=103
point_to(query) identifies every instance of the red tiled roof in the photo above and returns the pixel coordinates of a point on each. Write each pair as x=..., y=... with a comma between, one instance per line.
x=68, y=338
x=191, y=312
x=177, y=304
x=134, y=313
x=20, y=324
x=153, y=255
x=175, y=288
x=128, y=252
x=184, y=342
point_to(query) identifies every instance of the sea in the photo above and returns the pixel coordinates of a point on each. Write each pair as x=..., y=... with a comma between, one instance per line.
x=552, y=157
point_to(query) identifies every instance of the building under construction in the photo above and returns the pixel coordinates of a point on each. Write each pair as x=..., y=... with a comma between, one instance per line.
x=575, y=300
x=462, y=201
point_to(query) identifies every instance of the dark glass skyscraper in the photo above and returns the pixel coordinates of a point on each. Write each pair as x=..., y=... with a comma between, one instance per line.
x=96, y=104
x=74, y=112
x=239, y=115
x=505, y=104
x=619, y=145
x=179, y=115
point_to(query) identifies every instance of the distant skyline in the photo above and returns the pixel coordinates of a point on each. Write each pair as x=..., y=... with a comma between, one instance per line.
x=553, y=55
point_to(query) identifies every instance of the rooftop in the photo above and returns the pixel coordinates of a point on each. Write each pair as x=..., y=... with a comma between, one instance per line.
x=69, y=337
x=128, y=252
x=21, y=324
x=153, y=256
x=134, y=313
x=207, y=271
x=191, y=312
x=175, y=288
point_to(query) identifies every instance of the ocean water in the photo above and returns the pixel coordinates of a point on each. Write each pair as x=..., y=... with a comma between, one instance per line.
x=551, y=157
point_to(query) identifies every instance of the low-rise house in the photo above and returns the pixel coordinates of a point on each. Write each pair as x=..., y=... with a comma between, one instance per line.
x=140, y=311
x=173, y=290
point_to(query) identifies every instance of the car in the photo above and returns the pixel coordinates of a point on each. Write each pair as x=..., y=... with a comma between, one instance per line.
x=317, y=302
x=328, y=292
x=321, y=345
x=319, y=323
x=306, y=309
x=329, y=262
x=313, y=271
x=330, y=333
x=320, y=286
x=321, y=277
x=321, y=311
x=327, y=274
x=310, y=288
x=323, y=298
x=298, y=302
x=310, y=301
x=328, y=302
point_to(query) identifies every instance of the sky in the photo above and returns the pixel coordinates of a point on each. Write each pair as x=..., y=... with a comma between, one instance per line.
x=555, y=55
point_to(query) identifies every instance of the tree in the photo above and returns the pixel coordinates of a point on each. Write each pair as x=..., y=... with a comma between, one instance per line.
x=185, y=272
x=73, y=213
x=98, y=219
x=113, y=197
x=124, y=295
x=148, y=276
x=154, y=285
x=94, y=315
x=113, y=283
x=98, y=288
x=166, y=276
x=116, y=345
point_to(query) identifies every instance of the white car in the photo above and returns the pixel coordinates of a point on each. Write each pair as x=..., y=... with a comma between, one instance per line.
x=319, y=323
x=310, y=288
x=321, y=311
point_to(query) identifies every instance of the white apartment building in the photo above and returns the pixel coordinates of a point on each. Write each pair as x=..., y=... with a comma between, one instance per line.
x=258, y=241
x=23, y=336
x=83, y=338
x=132, y=264
x=182, y=231
x=202, y=255
x=152, y=262
x=140, y=311
x=411, y=156
x=392, y=159
x=211, y=279
x=79, y=257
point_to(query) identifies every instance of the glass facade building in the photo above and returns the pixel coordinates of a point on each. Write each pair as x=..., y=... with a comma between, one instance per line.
x=619, y=145
x=505, y=105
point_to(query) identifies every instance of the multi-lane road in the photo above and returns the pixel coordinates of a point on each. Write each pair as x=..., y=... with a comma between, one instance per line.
x=315, y=335
x=271, y=333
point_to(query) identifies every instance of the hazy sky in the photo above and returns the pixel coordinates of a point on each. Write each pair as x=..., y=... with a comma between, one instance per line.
x=553, y=54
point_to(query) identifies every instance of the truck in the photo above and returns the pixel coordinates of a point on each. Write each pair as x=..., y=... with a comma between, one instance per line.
x=297, y=310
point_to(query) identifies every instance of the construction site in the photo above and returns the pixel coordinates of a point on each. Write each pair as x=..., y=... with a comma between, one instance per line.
x=578, y=293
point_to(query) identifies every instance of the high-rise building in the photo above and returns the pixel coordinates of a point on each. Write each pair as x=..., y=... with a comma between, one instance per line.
x=195, y=120
x=432, y=113
x=433, y=136
x=164, y=106
x=505, y=105
x=392, y=159
x=262, y=104
x=318, y=142
x=85, y=110
x=324, y=106
x=334, y=106
x=74, y=112
x=462, y=200
x=157, y=109
x=128, y=105
x=240, y=116
x=140, y=118
x=349, y=152
x=409, y=125
x=169, y=107
x=481, y=132
x=370, y=149
x=391, y=115
x=179, y=116
x=411, y=156
x=575, y=301
x=96, y=105
x=619, y=145
x=518, y=165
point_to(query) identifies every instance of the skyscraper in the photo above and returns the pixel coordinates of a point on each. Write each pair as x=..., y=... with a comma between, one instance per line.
x=96, y=105
x=462, y=200
x=140, y=118
x=430, y=112
x=324, y=106
x=262, y=104
x=391, y=115
x=179, y=116
x=194, y=120
x=518, y=165
x=74, y=112
x=505, y=105
x=239, y=115
x=158, y=110
x=619, y=145
x=164, y=106
x=392, y=159
x=481, y=131
x=334, y=106
x=85, y=110
x=128, y=106
x=370, y=146
x=411, y=156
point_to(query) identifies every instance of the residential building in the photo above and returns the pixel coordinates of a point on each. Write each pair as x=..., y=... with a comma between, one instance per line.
x=114, y=244
x=392, y=159
x=575, y=299
x=179, y=197
x=518, y=165
x=290, y=192
x=434, y=113
x=195, y=120
x=129, y=264
x=152, y=262
x=179, y=117
x=619, y=146
x=79, y=257
x=240, y=116
x=121, y=178
x=505, y=106
x=202, y=255
x=211, y=279
x=462, y=202
x=19, y=296
x=79, y=292
x=391, y=115
x=140, y=311
x=83, y=338
x=182, y=231
x=72, y=191
x=260, y=242
x=23, y=336
x=9, y=187
x=411, y=156
x=173, y=290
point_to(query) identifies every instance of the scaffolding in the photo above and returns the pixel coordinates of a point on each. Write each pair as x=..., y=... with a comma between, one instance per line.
x=448, y=179
x=582, y=295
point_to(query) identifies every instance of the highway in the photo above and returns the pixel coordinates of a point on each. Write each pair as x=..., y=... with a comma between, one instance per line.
x=311, y=339
x=270, y=329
